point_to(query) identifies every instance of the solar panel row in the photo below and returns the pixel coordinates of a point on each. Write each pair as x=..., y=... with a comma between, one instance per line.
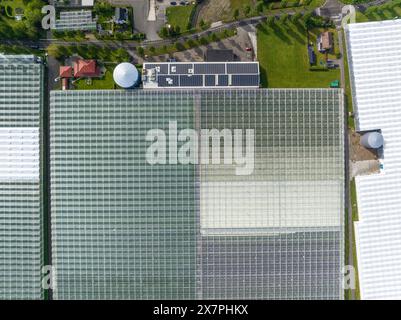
x=201, y=74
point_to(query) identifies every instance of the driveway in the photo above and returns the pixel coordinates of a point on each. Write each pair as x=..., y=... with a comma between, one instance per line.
x=141, y=13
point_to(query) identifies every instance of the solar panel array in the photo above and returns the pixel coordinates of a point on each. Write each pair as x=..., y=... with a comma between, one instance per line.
x=125, y=229
x=202, y=74
x=374, y=52
x=21, y=253
x=75, y=20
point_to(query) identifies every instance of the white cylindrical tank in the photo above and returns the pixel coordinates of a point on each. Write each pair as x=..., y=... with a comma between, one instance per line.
x=126, y=75
x=372, y=140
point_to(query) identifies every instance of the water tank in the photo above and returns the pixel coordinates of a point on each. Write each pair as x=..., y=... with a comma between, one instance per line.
x=126, y=75
x=372, y=140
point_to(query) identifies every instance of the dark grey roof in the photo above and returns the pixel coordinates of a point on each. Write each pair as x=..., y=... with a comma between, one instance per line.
x=219, y=55
x=191, y=81
x=210, y=68
x=179, y=68
x=160, y=66
x=222, y=80
x=248, y=68
x=244, y=80
x=168, y=81
x=210, y=80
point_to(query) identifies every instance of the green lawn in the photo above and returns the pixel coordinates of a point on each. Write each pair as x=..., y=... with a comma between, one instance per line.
x=106, y=82
x=180, y=16
x=283, y=57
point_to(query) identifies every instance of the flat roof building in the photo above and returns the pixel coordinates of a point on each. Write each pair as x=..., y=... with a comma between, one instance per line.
x=21, y=240
x=124, y=227
x=200, y=75
x=374, y=53
x=75, y=20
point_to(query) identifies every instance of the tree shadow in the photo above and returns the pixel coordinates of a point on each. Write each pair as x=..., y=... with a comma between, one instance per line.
x=279, y=33
x=296, y=36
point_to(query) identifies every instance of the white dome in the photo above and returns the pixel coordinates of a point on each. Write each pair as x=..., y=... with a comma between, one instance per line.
x=125, y=75
x=372, y=140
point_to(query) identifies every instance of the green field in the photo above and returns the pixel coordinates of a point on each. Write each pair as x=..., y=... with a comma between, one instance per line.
x=106, y=82
x=180, y=16
x=283, y=57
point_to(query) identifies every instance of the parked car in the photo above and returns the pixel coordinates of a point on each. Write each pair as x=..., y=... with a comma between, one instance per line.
x=248, y=49
x=173, y=3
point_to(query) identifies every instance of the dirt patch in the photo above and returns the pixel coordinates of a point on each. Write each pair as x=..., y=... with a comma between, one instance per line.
x=357, y=151
x=215, y=10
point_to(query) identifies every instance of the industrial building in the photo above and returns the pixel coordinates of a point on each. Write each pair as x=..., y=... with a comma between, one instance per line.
x=123, y=228
x=374, y=52
x=201, y=75
x=75, y=20
x=21, y=239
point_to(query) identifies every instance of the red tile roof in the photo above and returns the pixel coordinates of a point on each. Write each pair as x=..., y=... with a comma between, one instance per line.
x=65, y=72
x=86, y=68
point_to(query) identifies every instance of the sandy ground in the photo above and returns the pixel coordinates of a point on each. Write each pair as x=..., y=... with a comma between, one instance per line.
x=215, y=10
x=363, y=161
x=357, y=151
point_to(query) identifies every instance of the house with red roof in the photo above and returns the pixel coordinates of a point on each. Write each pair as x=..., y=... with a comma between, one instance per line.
x=86, y=69
x=65, y=72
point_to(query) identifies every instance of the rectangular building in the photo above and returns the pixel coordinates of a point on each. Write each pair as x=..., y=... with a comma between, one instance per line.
x=201, y=75
x=374, y=52
x=21, y=245
x=127, y=228
x=75, y=21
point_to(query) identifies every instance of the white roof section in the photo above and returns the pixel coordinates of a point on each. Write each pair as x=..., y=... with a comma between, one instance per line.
x=374, y=53
x=19, y=154
x=87, y=3
x=126, y=75
x=263, y=212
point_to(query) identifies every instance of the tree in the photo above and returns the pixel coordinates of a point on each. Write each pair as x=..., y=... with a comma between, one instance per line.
x=103, y=9
x=53, y=51
x=164, y=32
x=203, y=41
x=179, y=46
x=214, y=37
x=120, y=55
x=284, y=18
x=202, y=24
x=296, y=17
x=236, y=14
x=140, y=51
x=271, y=21
x=259, y=6
x=247, y=10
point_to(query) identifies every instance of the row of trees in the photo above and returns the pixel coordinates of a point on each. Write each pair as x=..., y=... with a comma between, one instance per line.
x=262, y=5
x=89, y=52
x=188, y=44
x=309, y=20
